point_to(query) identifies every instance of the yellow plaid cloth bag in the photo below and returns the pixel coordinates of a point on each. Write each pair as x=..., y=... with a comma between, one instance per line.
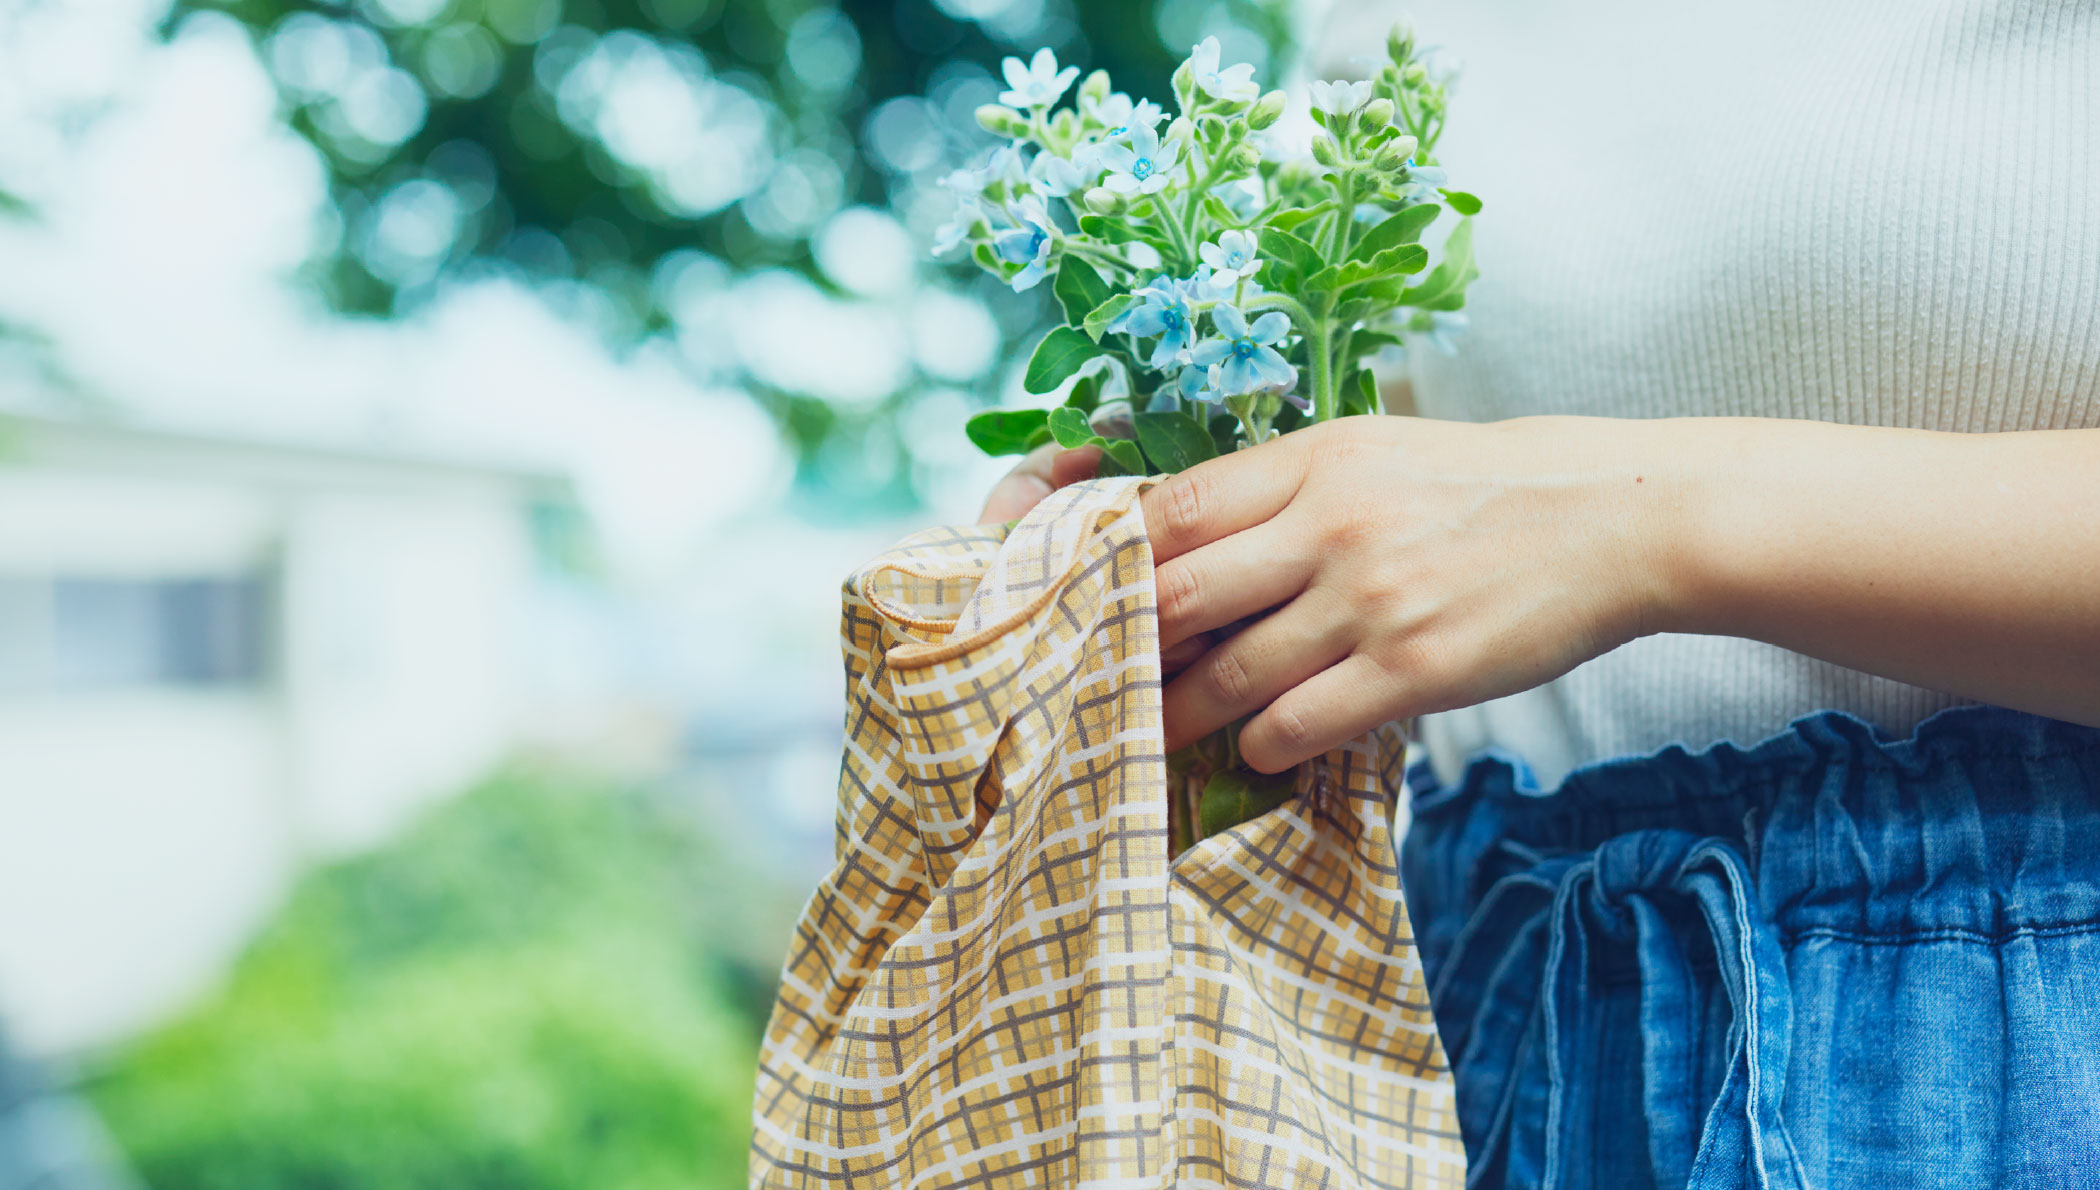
x=1004, y=982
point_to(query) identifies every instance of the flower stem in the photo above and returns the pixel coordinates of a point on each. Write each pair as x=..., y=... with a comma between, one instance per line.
x=1318, y=346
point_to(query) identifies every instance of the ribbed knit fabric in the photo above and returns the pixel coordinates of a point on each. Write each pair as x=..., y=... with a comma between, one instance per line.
x=1883, y=212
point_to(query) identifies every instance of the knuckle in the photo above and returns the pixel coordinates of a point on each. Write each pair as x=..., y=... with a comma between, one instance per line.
x=1179, y=593
x=1227, y=677
x=1292, y=730
x=1182, y=506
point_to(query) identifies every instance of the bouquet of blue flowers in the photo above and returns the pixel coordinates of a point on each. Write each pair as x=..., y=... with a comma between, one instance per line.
x=1215, y=290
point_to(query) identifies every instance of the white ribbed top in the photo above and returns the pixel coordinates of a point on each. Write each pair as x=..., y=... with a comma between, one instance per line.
x=1883, y=212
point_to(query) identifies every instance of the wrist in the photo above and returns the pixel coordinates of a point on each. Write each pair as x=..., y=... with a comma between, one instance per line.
x=1682, y=472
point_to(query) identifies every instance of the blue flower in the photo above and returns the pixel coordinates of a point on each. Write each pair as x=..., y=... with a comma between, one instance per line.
x=1234, y=84
x=1028, y=244
x=1244, y=356
x=1339, y=98
x=1231, y=257
x=1038, y=84
x=1196, y=386
x=1163, y=310
x=1142, y=166
x=1055, y=176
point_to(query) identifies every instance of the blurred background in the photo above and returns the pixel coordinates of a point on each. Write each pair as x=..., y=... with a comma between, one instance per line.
x=432, y=433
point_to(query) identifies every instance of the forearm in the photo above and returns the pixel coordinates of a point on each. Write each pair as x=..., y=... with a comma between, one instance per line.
x=1968, y=563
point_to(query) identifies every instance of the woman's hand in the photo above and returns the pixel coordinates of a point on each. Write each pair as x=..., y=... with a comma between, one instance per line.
x=1413, y=566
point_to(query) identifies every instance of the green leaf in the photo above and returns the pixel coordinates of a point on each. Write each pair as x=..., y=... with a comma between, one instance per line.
x=1294, y=255
x=1463, y=203
x=1403, y=228
x=1363, y=343
x=1393, y=262
x=1061, y=353
x=1124, y=454
x=1445, y=287
x=1360, y=393
x=1219, y=211
x=1097, y=319
x=1086, y=392
x=1173, y=441
x=1041, y=435
x=1234, y=796
x=1290, y=217
x=1070, y=427
x=1006, y=431
x=1079, y=289
x=1224, y=432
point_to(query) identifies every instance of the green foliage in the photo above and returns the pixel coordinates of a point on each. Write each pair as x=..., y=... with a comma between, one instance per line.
x=1173, y=441
x=513, y=995
x=546, y=193
x=1007, y=431
x=1057, y=358
x=1301, y=269
x=1233, y=796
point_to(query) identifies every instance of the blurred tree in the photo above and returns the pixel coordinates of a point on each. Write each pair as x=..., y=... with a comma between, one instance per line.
x=521, y=992
x=633, y=157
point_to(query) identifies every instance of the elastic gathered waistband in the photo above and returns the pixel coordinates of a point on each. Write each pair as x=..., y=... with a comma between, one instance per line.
x=1982, y=826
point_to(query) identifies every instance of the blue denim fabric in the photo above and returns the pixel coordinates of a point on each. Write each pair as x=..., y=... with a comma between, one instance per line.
x=1833, y=960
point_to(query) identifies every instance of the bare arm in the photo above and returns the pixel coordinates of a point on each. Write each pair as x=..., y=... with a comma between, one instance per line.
x=1968, y=563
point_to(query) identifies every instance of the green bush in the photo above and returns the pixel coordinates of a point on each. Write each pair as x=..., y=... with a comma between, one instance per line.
x=518, y=993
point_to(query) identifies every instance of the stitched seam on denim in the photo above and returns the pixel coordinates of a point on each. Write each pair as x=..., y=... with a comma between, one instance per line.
x=1943, y=934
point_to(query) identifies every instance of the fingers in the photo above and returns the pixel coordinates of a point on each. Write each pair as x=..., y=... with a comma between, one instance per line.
x=1040, y=472
x=1256, y=665
x=1071, y=466
x=1330, y=708
x=1175, y=658
x=1228, y=580
x=1216, y=499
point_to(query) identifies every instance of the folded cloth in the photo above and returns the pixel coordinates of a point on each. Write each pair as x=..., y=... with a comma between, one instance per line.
x=1004, y=981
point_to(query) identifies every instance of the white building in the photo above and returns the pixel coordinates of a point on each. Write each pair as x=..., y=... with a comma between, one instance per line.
x=219, y=659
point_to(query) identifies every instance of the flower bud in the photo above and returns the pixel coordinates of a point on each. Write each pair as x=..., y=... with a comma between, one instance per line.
x=1246, y=157
x=1266, y=111
x=1181, y=130
x=1376, y=114
x=1000, y=120
x=1400, y=40
x=1389, y=160
x=1184, y=82
x=1414, y=75
x=1095, y=88
x=1404, y=145
x=1065, y=124
x=1103, y=201
x=1326, y=152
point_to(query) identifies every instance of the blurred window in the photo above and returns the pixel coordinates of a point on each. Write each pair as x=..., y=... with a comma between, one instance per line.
x=64, y=633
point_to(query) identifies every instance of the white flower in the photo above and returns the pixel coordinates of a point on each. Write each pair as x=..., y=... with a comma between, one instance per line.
x=1231, y=257
x=1118, y=113
x=1056, y=176
x=1142, y=166
x=1038, y=84
x=1234, y=84
x=969, y=213
x=1340, y=97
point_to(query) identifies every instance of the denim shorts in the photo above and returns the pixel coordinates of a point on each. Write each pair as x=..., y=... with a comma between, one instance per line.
x=1834, y=960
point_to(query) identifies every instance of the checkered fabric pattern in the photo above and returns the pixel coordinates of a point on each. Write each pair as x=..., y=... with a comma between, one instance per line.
x=1004, y=982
